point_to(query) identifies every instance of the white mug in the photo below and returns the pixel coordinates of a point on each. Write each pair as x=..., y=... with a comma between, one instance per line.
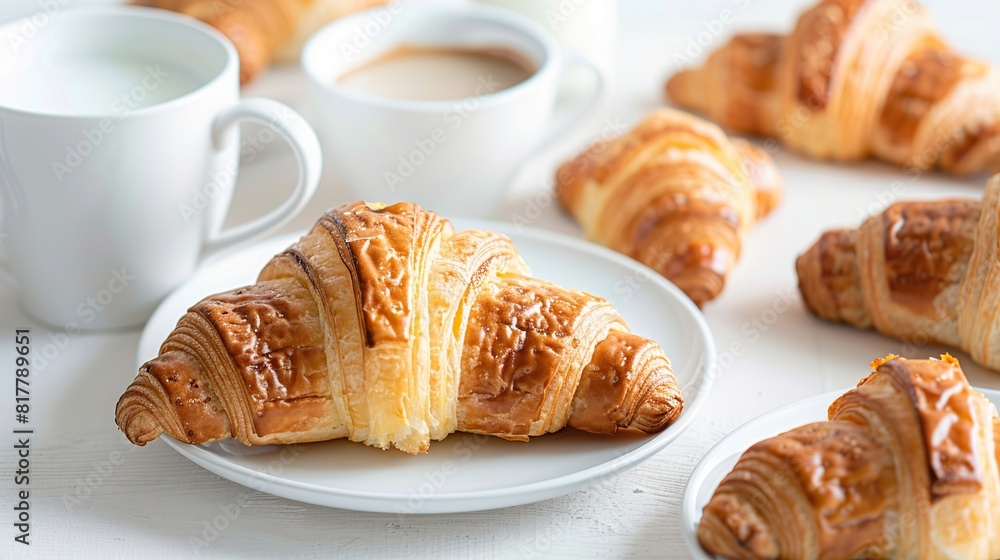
x=452, y=156
x=119, y=149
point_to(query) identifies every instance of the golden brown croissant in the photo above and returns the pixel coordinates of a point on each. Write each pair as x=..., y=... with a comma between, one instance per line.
x=385, y=326
x=675, y=194
x=906, y=467
x=855, y=78
x=262, y=30
x=920, y=271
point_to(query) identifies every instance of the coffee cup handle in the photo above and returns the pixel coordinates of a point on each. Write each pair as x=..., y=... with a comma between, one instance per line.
x=569, y=123
x=297, y=132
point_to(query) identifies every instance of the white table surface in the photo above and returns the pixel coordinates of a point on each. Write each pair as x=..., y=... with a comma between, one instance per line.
x=153, y=501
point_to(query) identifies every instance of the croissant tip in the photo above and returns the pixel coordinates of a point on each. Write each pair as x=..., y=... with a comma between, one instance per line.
x=659, y=409
x=700, y=283
x=139, y=425
x=731, y=528
x=808, y=270
x=677, y=85
x=140, y=428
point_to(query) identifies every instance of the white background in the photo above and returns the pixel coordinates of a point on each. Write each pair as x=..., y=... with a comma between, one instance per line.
x=154, y=501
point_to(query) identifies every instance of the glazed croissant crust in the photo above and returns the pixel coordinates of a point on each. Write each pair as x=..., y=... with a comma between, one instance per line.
x=385, y=326
x=855, y=78
x=906, y=467
x=675, y=194
x=920, y=271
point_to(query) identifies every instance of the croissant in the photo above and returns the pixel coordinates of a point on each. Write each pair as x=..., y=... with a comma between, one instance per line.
x=263, y=30
x=924, y=272
x=675, y=194
x=906, y=467
x=386, y=326
x=855, y=78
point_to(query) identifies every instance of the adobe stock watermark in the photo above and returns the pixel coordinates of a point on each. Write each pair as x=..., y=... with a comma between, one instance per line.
x=101, y=472
x=564, y=12
x=87, y=311
x=364, y=34
x=751, y=331
x=543, y=540
x=122, y=107
x=251, y=146
x=213, y=528
x=900, y=15
x=915, y=168
x=711, y=30
x=426, y=146
x=434, y=480
x=546, y=197
x=31, y=25
x=203, y=196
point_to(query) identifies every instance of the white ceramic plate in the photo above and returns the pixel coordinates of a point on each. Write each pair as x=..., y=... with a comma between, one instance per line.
x=464, y=472
x=721, y=459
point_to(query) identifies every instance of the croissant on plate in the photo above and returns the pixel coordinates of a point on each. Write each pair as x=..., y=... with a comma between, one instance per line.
x=855, y=78
x=905, y=467
x=386, y=326
x=263, y=30
x=675, y=194
x=920, y=271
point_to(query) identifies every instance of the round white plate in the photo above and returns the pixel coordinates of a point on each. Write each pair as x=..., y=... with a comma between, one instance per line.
x=721, y=459
x=464, y=472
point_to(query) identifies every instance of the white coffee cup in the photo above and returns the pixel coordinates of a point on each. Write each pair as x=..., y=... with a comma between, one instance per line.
x=119, y=149
x=589, y=27
x=453, y=156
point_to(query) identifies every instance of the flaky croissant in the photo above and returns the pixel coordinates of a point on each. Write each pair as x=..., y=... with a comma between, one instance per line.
x=385, y=326
x=920, y=271
x=675, y=194
x=855, y=78
x=906, y=467
x=263, y=30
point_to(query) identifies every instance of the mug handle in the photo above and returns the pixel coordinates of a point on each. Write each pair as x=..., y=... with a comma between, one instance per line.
x=598, y=98
x=297, y=132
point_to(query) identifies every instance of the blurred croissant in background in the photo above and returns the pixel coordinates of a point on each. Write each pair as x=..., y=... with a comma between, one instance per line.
x=264, y=30
x=921, y=271
x=855, y=78
x=674, y=193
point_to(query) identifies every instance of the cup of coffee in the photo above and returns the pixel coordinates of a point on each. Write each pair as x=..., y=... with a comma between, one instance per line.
x=588, y=27
x=439, y=105
x=119, y=150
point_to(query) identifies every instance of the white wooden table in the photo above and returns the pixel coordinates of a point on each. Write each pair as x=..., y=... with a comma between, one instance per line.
x=93, y=495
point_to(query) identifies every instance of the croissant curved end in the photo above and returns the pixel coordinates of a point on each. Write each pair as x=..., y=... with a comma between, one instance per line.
x=138, y=424
x=680, y=85
x=700, y=284
x=731, y=528
x=657, y=402
x=135, y=414
x=659, y=407
x=808, y=271
x=628, y=384
x=169, y=395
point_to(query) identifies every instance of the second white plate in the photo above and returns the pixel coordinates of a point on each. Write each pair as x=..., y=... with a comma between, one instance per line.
x=464, y=472
x=721, y=459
